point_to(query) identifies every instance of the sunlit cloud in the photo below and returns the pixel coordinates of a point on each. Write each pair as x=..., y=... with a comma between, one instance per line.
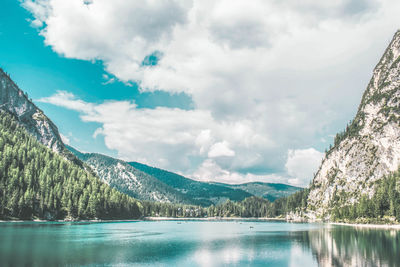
x=266, y=77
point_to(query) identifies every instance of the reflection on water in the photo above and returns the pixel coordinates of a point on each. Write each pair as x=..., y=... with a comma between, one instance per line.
x=348, y=246
x=195, y=244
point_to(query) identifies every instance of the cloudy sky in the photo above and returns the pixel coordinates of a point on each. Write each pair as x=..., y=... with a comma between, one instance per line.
x=230, y=91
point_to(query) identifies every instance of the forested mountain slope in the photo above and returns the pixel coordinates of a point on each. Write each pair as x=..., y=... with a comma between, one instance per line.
x=35, y=122
x=270, y=191
x=147, y=183
x=202, y=193
x=125, y=178
x=36, y=182
x=15, y=101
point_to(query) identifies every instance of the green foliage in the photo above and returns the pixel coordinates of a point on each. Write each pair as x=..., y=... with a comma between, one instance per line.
x=150, y=186
x=158, y=209
x=37, y=183
x=384, y=206
x=352, y=130
x=293, y=203
x=251, y=207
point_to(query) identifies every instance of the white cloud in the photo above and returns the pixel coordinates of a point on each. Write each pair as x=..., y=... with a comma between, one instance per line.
x=107, y=79
x=301, y=165
x=65, y=139
x=166, y=137
x=264, y=76
x=220, y=149
x=210, y=171
x=169, y=138
x=68, y=100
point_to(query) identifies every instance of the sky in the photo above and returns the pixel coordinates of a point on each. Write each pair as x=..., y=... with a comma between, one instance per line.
x=229, y=91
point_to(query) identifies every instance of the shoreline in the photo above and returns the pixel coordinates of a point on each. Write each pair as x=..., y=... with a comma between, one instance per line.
x=71, y=221
x=365, y=225
x=155, y=219
x=210, y=219
x=159, y=219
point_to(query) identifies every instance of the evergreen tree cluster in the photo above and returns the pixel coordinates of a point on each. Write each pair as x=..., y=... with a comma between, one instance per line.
x=384, y=206
x=255, y=207
x=251, y=207
x=296, y=202
x=38, y=183
x=158, y=209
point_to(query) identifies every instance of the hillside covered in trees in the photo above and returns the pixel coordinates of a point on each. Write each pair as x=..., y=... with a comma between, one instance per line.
x=251, y=207
x=35, y=182
x=383, y=207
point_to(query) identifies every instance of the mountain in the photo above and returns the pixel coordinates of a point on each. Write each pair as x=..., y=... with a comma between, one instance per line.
x=127, y=179
x=369, y=148
x=201, y=192
x=148, y=183
x=36, y=182
x=39, y=177
x=135, y=179
x=270, y=191
x=17, y=103
x=217, y=192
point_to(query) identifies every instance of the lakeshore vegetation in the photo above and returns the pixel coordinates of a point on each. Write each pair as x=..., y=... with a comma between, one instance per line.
x=35, y=182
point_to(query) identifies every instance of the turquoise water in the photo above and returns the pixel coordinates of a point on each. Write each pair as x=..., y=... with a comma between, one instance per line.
x=195, y=243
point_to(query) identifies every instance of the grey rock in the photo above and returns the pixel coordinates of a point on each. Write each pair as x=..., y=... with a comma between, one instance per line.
x=15, y=101
x=370, y=147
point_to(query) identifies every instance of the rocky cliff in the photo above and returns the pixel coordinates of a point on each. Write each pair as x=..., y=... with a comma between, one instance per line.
x=15, y=101
x=369, y=148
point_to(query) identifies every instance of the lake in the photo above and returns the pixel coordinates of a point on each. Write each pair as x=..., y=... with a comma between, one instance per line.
x=195, y=243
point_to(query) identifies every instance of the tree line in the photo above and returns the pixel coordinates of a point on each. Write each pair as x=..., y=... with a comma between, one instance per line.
x=35, y=182
x=383, y=206
x=251, y=207
x=38, y=183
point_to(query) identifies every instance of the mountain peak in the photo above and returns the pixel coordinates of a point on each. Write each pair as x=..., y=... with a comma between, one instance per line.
x=369, y=148
x=16, y=102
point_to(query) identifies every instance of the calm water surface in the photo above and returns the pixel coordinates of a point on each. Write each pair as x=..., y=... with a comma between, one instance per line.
x=195, y=243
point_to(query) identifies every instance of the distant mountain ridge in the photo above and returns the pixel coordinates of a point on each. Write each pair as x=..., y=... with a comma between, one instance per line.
x=149, y=183
x=133, y=182
x=270, y=191
x=201, y=192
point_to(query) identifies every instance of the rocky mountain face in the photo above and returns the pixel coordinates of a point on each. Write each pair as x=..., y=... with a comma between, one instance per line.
x=125, y=178
x=369, y=148
x=15, y=101
x=147, y=183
